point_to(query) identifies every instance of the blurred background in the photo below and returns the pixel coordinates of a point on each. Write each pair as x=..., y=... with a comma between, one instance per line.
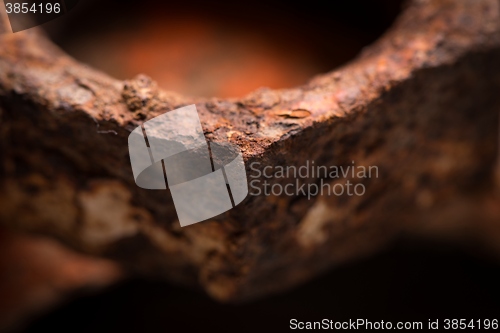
x=410, y=281
x=223, y=48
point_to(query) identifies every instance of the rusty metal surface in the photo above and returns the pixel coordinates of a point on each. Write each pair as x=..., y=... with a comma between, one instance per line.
x=421, y=103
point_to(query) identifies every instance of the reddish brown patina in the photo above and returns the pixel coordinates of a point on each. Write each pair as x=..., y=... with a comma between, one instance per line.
x=421, y=104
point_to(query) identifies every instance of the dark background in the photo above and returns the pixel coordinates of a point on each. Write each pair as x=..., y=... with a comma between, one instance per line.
x=223, y=48
x=411, y=281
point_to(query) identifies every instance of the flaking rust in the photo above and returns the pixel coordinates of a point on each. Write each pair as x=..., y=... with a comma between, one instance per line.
x=421, y=104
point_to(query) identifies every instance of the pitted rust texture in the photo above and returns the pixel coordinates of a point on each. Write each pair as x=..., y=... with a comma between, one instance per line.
x=421, y=103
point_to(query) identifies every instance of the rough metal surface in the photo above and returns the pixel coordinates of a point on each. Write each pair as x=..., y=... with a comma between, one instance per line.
x=421, y=104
